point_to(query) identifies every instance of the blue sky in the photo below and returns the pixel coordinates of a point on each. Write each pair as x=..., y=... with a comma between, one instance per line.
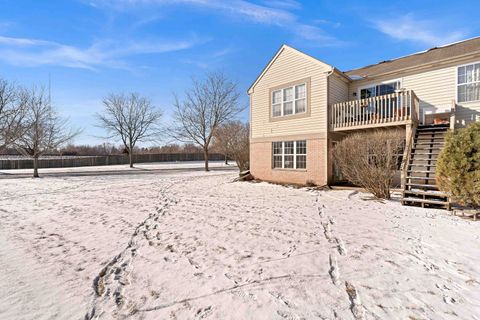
x=90, y=48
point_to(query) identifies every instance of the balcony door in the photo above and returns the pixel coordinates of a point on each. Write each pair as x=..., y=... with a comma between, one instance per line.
x=379, y=89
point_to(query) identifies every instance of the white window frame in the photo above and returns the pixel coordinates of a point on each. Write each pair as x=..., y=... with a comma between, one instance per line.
x=293, y=101
x=295, y=154
x=457, y=84
x=359, y=90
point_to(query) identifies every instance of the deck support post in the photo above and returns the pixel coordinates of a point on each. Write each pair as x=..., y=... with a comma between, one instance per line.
x=409, y=132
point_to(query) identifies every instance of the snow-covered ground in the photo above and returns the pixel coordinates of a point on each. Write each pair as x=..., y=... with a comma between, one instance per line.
x=199, y=246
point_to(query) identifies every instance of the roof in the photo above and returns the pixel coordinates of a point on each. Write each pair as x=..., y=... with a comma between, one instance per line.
x=277, y=54
x=433, y=55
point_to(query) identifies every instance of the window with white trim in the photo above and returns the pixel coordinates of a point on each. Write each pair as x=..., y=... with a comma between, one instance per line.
x=468, y=83
x=289, y=154
x=288, y=101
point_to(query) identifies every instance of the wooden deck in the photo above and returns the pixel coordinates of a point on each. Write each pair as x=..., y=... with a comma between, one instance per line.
x=400, y=108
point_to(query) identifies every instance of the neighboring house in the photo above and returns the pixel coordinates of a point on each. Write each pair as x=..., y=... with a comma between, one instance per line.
x=299, y=106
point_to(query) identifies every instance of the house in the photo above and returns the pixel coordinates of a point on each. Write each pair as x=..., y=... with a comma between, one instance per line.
x=301, y=106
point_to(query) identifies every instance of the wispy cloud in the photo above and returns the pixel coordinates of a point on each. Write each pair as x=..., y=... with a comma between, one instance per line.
x=254, y=12
x=4, y=25
x=222, y=52
x=317, y=35
x=285, y=4
x=36, y=52
x=410, y=28
x=277, y=13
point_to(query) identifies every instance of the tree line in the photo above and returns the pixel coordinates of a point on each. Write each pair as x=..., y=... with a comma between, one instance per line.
x=205, y=117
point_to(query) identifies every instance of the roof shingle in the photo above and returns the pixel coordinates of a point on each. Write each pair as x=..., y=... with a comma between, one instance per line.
x=430, y=56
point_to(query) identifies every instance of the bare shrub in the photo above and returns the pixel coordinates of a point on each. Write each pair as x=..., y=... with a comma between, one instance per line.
x=369, y=159
x=241, y=146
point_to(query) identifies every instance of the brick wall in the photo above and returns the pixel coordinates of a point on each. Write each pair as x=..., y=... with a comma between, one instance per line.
x=261, y=162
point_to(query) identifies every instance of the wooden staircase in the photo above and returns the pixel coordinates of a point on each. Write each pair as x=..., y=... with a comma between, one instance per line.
x=420, y=187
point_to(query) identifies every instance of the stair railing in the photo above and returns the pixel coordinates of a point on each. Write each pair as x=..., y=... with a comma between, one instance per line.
x=410, y=135
x=452, y=115
x=415, y=112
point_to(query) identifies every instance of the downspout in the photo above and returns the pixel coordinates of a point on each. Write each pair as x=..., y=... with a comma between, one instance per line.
x=328, y=164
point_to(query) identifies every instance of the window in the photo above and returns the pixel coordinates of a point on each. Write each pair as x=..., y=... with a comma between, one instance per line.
x=301, y=154
x=290, y=154
x=300, y=99
x=277, y=103
x=277, y=155
x=288, y=101
x=379, y=90
x=468, y=83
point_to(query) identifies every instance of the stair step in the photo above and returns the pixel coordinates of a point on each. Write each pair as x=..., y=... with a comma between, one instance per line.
x=422, y=131
x=418, y=200
x=429, y=143
x=424, y=186
x=425, y=153
x=432, y=129
x=421, y=171
x=429, y=139
x=427, y=146
x=428, y=132
x=426, y=193
x=421, y=178
x=430, y=136
x=421, y=165
x=422, y=159
x=429, y=151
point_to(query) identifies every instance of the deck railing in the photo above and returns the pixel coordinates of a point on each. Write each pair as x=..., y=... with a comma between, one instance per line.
x=392, y=109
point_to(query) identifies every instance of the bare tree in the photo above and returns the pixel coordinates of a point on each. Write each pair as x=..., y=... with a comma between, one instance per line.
x=132, y=118
x=223, y=140
x=45, y=129
x=12, y=112
x=232, y=139
x=207, y=105
x=370, y=159
x=241, y=145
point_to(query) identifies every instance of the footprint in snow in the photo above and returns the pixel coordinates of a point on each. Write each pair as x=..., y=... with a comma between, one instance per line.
x=203, y=312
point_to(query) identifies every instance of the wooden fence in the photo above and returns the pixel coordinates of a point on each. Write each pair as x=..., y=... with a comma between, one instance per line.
x=63, y=162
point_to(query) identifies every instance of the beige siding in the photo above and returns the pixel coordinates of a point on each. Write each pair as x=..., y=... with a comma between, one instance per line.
x=435, y=88
x=337, y=89
x=289, y=66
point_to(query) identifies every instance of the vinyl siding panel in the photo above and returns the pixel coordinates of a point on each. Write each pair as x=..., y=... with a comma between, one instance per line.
x=435, y=89
x=288, y=67
x=337, y=89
